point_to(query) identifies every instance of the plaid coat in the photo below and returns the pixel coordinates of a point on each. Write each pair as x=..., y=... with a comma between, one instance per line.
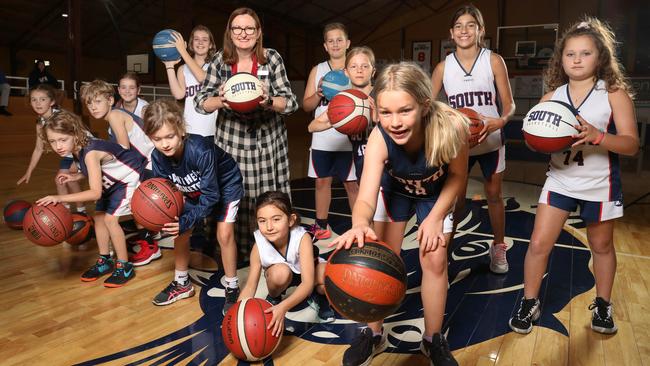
x=256, y=140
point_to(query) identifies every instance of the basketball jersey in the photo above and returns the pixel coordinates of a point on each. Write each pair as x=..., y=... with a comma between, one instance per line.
x=138, y=140
x=359, y=142
x=330, y=139
x=269, y=255
x=587, y=172
x=125, y=166
x=205, y=174
x=196, y=123
x=475, y=90
x=413, y=179
x=140, y=104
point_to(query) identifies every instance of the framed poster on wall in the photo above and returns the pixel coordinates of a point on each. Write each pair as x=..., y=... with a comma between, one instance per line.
x=447, y=46
x=422, y=54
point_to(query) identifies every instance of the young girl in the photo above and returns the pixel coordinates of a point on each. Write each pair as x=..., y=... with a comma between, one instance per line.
x=418, y=155
x=113, y=175
x=472, y=76
x=42, y=100
x=329, y=154
x=585, y=73
x=129, y=89
x=187, y=81
x=212, y=185
x=284, y=250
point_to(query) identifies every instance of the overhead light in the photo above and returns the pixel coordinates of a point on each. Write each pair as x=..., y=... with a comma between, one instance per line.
x=65, y=15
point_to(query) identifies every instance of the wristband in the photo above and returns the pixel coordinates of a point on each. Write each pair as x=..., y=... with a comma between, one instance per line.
x=600, y=138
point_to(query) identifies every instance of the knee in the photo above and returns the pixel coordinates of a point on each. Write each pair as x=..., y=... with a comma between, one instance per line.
x=435, y=263
x=278, y=276
x=322, y=183
x=493, y=193
x=539, y=247
x=225, y=235
x=351, y=187
x=602, y=247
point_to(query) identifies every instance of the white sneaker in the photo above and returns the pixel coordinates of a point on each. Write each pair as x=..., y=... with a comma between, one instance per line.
x=498, y=260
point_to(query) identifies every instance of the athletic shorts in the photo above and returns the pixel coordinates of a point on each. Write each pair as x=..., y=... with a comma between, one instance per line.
x=227, y=211
x=590, y=211
x=491, y=163
x=400, y=208
x=116, y=201
x=323, y=164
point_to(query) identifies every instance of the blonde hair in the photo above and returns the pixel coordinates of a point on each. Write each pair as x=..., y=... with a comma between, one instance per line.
x=67, y=123
x=163, y=111
x=608, y=67
x=96, y=88
x=445, y=129
x=358, y=51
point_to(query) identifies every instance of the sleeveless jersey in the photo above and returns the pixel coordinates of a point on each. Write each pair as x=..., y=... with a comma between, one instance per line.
x=269, y=255
x=359, y=142
x=474, y=89
x=330, y=139
x=141, y=103
x=125, y=166
x=196, y=123
x=137, y=138
x=587, y=172
x=413, y=179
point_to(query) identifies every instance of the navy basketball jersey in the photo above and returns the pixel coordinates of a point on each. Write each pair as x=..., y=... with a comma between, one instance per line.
x=408, y=177
x=359, y=142
x=138, y=140
x=126, y=166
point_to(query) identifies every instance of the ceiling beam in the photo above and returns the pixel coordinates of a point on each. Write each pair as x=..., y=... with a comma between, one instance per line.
x=46, y=19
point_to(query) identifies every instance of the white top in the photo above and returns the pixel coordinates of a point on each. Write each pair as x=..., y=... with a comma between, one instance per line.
x=138, y=140
x=196, y=123
x=474, y=89
x=330, y=139
x=587, y=172
x=269, y=255
x=140, y=104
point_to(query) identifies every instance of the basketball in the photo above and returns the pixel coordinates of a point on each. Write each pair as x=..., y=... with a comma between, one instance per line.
x=163, y=46
x=156, y=202
x=244, y=330
x=549, y=127
x=14, y=212
x=349, y=112
x=243, y=92
x=82, y=229
x=47, y=225
x=334, y=82
x=365, y=284
x=475, y=125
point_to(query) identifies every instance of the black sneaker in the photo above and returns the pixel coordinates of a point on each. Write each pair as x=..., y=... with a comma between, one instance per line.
x=5, y=112
x=601, y=319
x=121, y=275
x=101, y=267
x=319, y=303
x=364, y=348
x=438, y=351
x=173, y=292
x=231, y=298
x=528, y=312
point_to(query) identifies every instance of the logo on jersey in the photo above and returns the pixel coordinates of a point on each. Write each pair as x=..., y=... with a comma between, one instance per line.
x=191, y=90
x=415, y=185
x=471, y=99
x=189, y=183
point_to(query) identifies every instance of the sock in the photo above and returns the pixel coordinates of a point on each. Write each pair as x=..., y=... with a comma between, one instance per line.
x=322, y=223
x=427, y=338
x=181, y=277
x=231, y=282
x=105, y=257
x=81, y=209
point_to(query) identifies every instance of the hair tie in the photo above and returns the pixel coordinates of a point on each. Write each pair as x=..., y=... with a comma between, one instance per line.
x=583, y=25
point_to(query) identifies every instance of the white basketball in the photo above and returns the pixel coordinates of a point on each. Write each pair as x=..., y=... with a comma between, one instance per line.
x=243, y=92
x=549, y=127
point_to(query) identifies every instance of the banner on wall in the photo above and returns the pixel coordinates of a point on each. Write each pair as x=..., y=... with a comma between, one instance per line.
x=422, y=55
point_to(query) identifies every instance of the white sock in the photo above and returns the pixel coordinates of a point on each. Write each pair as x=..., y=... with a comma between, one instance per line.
x=81, y=209
x=181, y=277
x=231, y=282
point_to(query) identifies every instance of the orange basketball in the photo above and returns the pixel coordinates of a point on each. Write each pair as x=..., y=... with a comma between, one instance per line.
x=244, y=330
x=156, y=202
x=47, y=225
x=365, y=284
x=475, y=125
x=349, y=112
x=82, y=229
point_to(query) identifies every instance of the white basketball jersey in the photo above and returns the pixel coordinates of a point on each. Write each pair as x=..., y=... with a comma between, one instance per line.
x=331, y=139
x=196, y=123
x=269, y=255
x=474, y=89
x=139, y=106
x=587, y=172
x=138, y=140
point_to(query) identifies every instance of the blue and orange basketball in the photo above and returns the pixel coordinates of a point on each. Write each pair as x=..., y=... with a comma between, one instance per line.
x=156, y=202
x=14, y=212
x=334, y=82
x=47, y=225
x=365, y=284
x=163, y=46
x=82, y=229
x=244, y=330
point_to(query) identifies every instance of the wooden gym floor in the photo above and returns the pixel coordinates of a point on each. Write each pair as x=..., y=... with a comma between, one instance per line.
x=52, y=318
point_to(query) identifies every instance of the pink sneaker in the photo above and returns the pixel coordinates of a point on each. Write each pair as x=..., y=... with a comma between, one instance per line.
x=498, y=260
x=318, y=232
x=148, y=252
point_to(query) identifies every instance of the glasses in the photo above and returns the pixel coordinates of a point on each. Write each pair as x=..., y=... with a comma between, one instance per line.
x=249, y=31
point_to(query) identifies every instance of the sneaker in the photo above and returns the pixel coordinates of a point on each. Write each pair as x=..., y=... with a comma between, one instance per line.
x=174, y=292
x=274, y=300
x=5, y=112
x=122, y=274
x=364, y=348
x=318, y=232
x=232, y=294
x=498, y=260
x=601, y=319
x=100, y=268
x=438, y=351
x=528, y=312
x=149, y=251
x=319, y=303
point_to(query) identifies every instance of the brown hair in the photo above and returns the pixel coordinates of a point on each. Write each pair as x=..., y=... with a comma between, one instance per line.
x=280, y=200
x=48, y=90
x=211, y=50
x=229, y=52
x=67, y=123
x=130, y=75
x=333, y=26
x=161, y=111
x=474, y=12
x=96, y=88
x=608, y=68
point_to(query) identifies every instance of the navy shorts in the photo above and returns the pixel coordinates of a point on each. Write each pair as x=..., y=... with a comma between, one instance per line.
x=491, y=163
x=323, y=164
x=117, y=200
x=400, y=208
x=590, y=211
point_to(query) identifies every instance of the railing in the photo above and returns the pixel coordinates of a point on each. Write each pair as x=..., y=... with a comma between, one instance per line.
x=24, y=88
x=149, y=92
